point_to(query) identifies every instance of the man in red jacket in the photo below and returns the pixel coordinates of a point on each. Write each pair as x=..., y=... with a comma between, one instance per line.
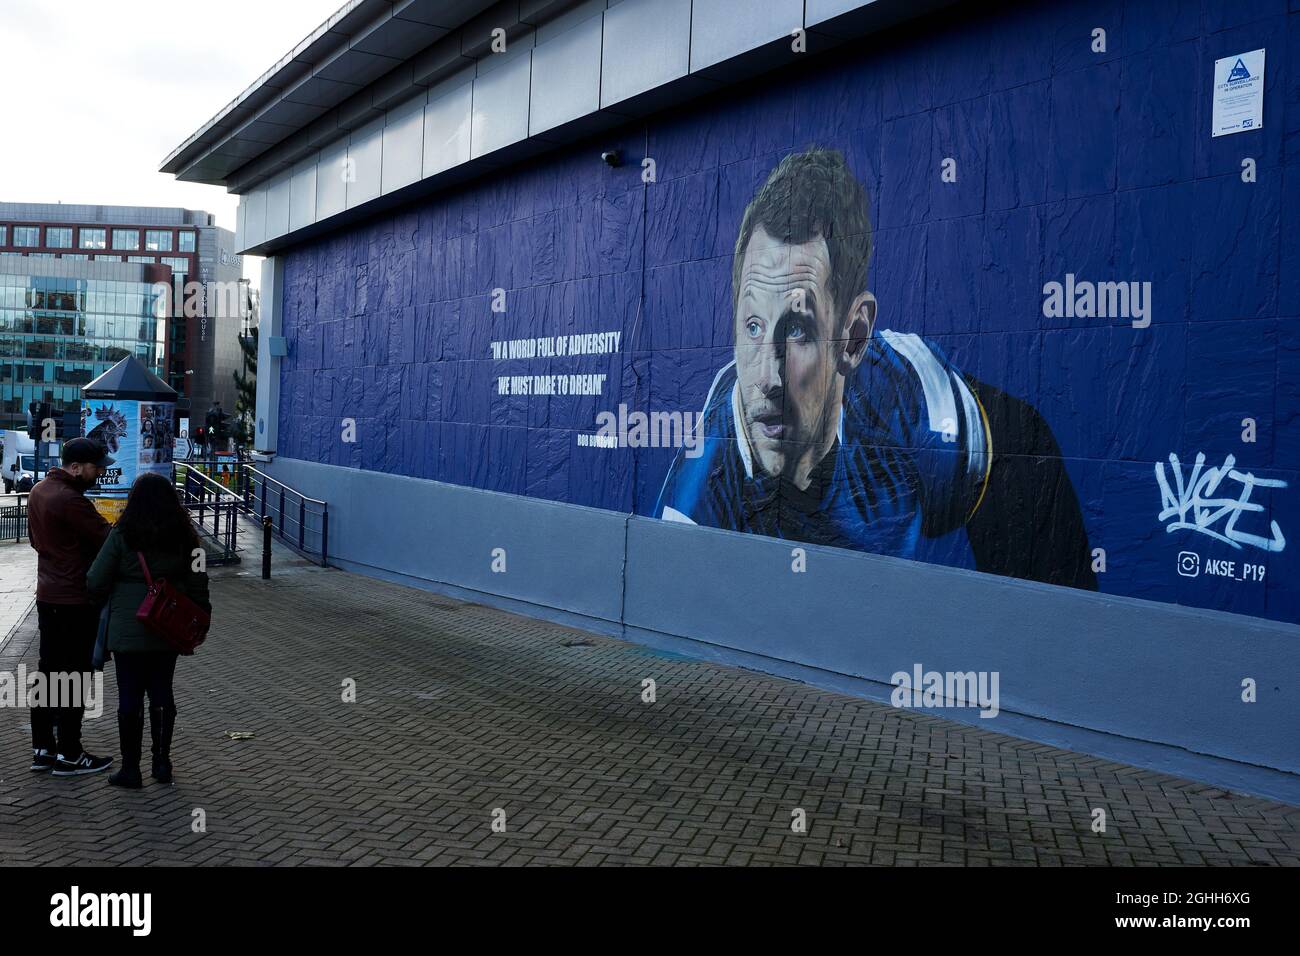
x=67, y=533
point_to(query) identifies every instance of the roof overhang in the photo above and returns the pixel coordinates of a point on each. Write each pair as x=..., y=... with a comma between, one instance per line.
x=361, y=42
x=391, y=100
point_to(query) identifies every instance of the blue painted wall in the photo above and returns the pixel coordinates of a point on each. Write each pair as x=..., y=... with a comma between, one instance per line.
x=1069, y=161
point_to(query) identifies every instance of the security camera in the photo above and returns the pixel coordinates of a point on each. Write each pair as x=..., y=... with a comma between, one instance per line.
x=612, y=157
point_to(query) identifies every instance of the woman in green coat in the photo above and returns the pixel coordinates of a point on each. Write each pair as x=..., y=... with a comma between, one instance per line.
x=155, y=524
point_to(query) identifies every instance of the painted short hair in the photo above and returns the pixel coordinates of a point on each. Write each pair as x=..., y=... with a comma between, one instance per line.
x=811, y=194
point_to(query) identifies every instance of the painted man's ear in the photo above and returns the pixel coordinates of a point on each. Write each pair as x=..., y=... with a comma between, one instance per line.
x=857, y=331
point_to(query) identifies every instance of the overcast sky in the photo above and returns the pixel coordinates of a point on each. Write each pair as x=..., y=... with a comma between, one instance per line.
x=98, y=92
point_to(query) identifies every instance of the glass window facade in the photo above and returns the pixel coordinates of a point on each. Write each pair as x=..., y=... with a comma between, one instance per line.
x=4, y=235
x=27, y=236
x=108, y=258
x=126, y=238
x=158, y=240
x=179, y=265
x=148, y=259
x=187, y=242
x=58, y=237
x=94, y=238
x=57, y=334
x=74, y=255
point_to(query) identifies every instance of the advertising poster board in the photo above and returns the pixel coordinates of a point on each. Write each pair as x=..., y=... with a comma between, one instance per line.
x=137, y=434
x=110, y=509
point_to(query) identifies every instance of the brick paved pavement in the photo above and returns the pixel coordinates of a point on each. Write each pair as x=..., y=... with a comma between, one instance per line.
x=462, y=709
x=17, y=585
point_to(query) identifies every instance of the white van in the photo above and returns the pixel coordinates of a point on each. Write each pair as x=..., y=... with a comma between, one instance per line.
x=19, y=461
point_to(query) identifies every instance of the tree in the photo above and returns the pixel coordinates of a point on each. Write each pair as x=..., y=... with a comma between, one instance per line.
x=246, y=390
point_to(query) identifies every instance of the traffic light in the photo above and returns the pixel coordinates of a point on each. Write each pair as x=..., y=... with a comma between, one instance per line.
x=216, y=422
x=37, y=413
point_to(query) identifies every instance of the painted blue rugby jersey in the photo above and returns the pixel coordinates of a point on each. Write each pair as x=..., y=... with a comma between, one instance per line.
x=910, y=461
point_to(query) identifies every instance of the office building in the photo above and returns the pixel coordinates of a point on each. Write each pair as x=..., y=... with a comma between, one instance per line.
x=72, y=275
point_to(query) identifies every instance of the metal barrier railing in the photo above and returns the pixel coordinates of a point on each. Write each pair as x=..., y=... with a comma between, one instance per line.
x=225, y=471
x=206, y=499
x=307, y=519
x=13, y=517
x=298, y=520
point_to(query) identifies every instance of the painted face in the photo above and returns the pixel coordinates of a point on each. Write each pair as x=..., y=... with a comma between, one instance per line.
x=790, y=392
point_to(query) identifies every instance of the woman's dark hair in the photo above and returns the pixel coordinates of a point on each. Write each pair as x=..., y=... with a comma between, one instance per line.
x=154, y=519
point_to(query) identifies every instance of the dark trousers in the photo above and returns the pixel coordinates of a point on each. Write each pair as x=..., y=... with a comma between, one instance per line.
x=146, y=672
x=67, y=645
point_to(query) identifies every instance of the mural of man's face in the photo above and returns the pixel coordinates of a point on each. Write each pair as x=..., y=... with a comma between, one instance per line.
x=790, y=354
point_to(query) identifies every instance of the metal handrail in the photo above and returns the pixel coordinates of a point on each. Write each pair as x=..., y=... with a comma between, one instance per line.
x=218, y=488
x=200, y=493
x=224, y=539
x=249, y=476
x=265, y=477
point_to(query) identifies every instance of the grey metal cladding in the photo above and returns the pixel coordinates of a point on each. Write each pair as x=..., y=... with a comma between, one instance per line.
x=501, y=106
x=542, y=11
x=403, y=151
x=255, y=218
x=365, y=163
x=285, y=112
x=722, y=29
x=277, y=206
x=440, y=61
x=819, y=11
x=400, y=39
x=573, y=14
x=447, y=122
x=566, y=77
x=320, y=91
x=331, y=188
x=302, y=194
x=394, y=89
x=647, y=44
x=477, y=36
x=444, y=13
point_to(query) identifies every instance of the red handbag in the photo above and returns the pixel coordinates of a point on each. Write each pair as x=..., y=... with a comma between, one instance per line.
x=171, y=615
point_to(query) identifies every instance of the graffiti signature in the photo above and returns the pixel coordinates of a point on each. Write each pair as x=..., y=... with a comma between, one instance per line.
x=1196, y=495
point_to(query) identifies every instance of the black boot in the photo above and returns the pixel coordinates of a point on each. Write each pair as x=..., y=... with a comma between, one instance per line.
x=162, y=721
x=130, y=730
